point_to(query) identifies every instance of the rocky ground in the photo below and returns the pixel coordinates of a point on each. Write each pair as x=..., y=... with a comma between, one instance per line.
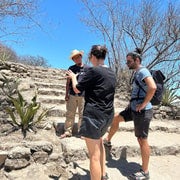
x=68, y=159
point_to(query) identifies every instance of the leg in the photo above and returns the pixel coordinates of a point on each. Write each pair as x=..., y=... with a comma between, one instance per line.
x=145, y=153
x=141, y=123
x=80, y=110
x=102, y=158
x=94, y=150
x=114, y=126
x=71, y=107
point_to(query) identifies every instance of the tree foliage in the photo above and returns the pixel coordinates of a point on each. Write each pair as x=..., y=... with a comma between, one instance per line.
x=153, y=26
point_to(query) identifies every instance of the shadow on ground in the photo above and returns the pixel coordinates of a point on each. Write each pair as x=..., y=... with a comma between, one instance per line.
x=86, y=175
x=59, y=129
x=126, y=168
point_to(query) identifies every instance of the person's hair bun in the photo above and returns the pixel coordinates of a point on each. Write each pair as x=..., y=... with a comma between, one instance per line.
x=138, y=51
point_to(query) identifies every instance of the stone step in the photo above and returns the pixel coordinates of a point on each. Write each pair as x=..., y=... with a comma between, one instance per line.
x=169, y=126
x=50, y=91
x=161, y=144
x=164, y=141
x=50, y=85
x=49, y=70
x=54, y=100
x=56, y=112
x=46, y=75
x=55, y=106
x=50, y=79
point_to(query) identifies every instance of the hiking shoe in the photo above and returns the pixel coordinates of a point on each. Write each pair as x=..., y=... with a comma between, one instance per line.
x=105, y=177
x=107, y=144
x=141, y=175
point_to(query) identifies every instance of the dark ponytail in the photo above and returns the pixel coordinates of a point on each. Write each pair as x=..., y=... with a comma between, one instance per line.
x=136, y=54
x=98, y=51
x=138, y=51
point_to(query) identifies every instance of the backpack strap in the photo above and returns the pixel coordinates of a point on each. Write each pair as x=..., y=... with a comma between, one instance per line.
x=137, y=82
x=140, y=87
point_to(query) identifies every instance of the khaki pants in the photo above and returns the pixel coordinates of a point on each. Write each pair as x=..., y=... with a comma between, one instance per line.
x=72, y=104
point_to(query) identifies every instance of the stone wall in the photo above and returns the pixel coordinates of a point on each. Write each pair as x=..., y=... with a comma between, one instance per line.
x=31, y=79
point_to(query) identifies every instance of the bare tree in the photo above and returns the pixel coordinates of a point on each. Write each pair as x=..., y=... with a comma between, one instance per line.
x=17, y=17
x=153, y=26
x=33, y=61
x=104, y=18
x=7, y=54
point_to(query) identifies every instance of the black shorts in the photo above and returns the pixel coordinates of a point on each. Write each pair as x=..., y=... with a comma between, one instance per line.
x=95, y=122
x=127, y=114
x=141, y=120
x=94, y=128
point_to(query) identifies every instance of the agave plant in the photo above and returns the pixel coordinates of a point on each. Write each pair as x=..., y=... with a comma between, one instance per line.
x=23, y=113
x=169, y=97
x=9, y=86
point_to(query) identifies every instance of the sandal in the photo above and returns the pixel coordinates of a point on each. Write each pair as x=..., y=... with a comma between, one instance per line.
x=105, y=177
x=107, y=144
x=141, y=175
x=66, y=134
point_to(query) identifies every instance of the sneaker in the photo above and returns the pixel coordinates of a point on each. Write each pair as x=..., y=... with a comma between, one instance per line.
x=107, y=143
x=141, y=175
x=105, y=177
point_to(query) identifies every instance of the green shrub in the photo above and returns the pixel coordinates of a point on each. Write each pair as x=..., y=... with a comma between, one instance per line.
x=4, y=57
x=23, y=113
x=169, y=97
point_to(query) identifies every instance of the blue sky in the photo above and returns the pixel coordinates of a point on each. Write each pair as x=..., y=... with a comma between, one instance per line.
x=56, y=45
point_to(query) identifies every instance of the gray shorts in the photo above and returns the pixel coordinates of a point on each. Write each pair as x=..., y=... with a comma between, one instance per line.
x=141, y=120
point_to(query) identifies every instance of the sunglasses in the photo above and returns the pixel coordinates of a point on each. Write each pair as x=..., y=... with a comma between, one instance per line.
x=129, y=62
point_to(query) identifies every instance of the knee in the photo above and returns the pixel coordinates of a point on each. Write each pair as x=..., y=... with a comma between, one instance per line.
x=142, y=141
x=94, y=157
x=70, y=113
x=117, y=119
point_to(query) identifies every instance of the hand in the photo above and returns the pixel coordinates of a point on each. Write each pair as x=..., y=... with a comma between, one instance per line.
x=70, y=74
x=140, y=107
x=66, y=98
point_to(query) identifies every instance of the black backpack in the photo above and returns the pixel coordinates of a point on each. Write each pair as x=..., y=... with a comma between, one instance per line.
x=159, y=78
